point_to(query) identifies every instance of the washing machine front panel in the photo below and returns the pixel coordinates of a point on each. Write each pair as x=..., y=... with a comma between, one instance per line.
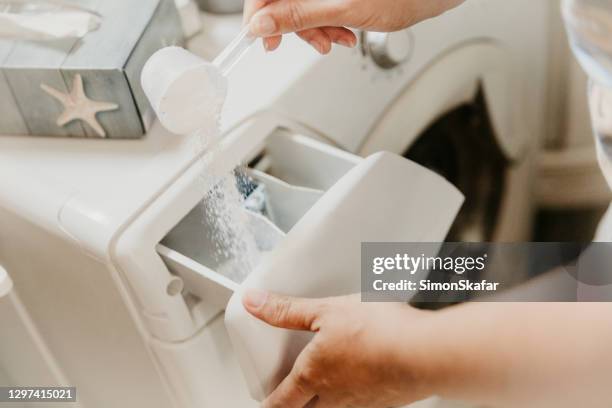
x=343, y=96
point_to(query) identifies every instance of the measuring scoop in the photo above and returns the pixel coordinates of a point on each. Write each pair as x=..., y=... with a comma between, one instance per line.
x=185, y=90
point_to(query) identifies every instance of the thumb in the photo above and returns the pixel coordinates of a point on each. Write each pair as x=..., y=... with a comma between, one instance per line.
x=282, y=311
x=287, y=16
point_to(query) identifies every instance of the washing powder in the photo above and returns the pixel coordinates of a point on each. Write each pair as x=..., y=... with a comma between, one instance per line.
x=226, y=219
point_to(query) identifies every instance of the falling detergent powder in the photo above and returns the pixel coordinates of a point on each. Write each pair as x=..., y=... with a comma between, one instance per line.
x=187, y=94
x=236, y=251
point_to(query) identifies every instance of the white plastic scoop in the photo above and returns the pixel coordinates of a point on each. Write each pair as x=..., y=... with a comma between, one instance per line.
x=234, y=51
x=184, y=89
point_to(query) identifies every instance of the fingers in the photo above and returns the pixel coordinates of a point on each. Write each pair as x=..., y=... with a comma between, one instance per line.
x=289, y=394
x=341, y=35
x=321, y=39
x=295, y=390
x=272, y=43
x=283, y=311
x=270, y=18
x=287, y=16
x=317, y=38
x=251, y=7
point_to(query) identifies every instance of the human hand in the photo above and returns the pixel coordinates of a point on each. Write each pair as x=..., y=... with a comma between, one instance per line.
x=357, y=357
x=323, y=22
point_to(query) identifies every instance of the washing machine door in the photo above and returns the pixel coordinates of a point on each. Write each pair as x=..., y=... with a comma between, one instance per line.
x=449, y=81
x=458, y=120
x=321, y=255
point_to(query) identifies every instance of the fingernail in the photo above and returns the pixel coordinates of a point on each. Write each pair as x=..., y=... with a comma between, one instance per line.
x=266, y=46
x=317, y=46
x=255, y=298
x=262, y=25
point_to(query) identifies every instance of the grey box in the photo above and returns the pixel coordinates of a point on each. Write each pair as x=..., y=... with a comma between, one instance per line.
x=221, y=6
x=108, y=61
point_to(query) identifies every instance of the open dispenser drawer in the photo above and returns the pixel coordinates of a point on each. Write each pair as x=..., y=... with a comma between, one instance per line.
x=286, y=177
x=311, y=207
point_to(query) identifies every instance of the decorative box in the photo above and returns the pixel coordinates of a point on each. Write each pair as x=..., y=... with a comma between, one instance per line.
x=88, y=87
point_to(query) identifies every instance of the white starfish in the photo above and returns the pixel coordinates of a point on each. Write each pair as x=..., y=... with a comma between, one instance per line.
x=77, y=106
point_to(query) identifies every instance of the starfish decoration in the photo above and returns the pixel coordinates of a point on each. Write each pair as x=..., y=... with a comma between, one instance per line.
x=77, y=106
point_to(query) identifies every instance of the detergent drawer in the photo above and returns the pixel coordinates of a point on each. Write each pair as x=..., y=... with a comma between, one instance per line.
x=288, y=175
x=321, y=205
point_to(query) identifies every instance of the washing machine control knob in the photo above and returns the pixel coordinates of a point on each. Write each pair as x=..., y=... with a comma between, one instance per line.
x=388, y=50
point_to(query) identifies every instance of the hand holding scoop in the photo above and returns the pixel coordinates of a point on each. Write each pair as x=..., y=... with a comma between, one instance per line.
x=186, y=90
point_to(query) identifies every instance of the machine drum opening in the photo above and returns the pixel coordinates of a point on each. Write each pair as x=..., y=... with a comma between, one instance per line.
x=461, y=146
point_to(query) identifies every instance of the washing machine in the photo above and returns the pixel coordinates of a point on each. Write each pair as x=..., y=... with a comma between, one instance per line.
x=462, y=94
x=98, y=283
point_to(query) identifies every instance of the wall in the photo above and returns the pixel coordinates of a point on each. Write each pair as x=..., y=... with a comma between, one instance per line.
x=569, y=176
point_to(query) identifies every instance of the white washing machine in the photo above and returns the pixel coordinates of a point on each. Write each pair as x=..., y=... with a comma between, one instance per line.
x=471, y=81
x=97, y=292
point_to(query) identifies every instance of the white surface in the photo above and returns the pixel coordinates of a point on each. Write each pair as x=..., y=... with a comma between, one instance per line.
x=320, y=257
x=75, y=298
x=24, y=353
